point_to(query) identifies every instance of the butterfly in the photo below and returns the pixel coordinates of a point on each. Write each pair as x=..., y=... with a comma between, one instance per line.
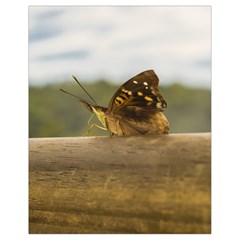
x=136, y=108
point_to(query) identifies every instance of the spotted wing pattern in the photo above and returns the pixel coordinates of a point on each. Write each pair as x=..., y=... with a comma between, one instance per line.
x=140, y=91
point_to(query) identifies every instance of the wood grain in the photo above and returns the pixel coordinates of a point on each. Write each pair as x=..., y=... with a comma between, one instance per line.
x=147, y=184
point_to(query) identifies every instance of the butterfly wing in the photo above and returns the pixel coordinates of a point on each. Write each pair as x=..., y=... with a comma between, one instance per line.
x=141, y=90
x=136, y=121
x=136, y=107
x=156, y=124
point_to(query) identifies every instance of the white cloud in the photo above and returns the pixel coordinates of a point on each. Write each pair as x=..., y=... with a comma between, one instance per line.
x=120, y=42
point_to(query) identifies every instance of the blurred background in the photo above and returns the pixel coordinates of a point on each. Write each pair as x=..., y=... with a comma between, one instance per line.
x=106, y=46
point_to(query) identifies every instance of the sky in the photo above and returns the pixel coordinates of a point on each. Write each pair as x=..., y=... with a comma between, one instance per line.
x=117, y=43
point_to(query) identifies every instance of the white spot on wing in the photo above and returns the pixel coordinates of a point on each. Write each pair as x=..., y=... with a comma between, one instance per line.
x=159, y=105
x=145, y=83
x=134, y=81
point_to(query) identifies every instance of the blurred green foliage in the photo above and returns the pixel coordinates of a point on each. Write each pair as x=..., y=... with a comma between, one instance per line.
x=55, y=114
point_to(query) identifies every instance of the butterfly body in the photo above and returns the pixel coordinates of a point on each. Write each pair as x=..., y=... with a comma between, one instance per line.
x=143, y=124
x=135, y=109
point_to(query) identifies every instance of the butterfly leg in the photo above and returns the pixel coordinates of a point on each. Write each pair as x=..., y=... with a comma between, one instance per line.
x=90, y=129
x=102, y=128
x=91, y=126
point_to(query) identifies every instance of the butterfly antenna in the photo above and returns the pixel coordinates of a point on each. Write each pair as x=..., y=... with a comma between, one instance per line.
x=69, y=93
x=83, y=88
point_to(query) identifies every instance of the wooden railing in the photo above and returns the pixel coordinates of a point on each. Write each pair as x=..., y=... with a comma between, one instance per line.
x=146, y=184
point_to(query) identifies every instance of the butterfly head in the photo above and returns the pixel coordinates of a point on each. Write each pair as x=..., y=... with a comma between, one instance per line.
x=92, y=107
x=100, y=114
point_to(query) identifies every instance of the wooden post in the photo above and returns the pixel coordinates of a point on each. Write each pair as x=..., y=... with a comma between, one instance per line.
x=145, y=184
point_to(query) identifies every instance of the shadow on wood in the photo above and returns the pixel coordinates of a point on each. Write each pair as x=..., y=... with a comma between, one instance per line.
x=147, y=184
